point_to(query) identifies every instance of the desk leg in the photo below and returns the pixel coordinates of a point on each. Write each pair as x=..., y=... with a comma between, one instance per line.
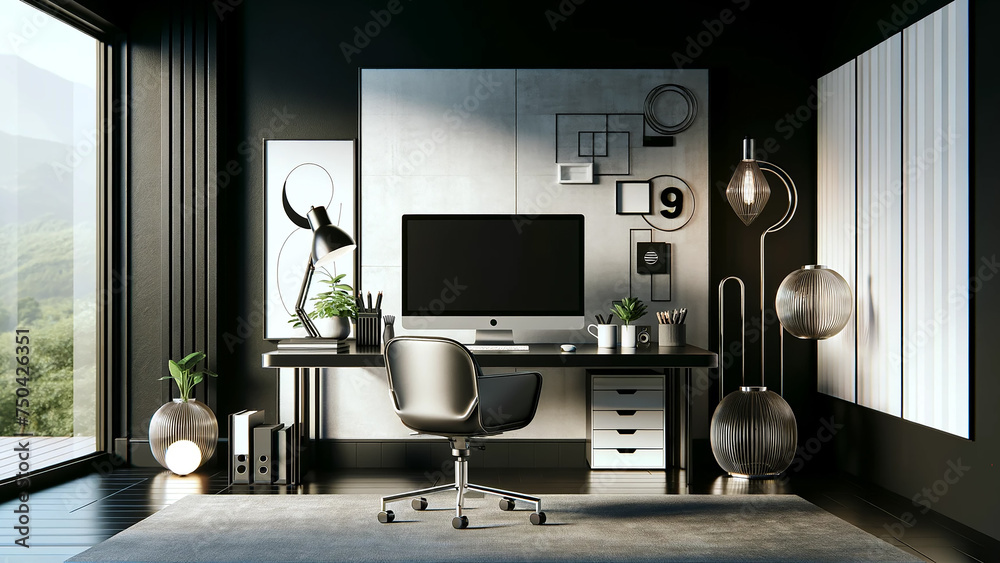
x=301, y=418
x=686, y=432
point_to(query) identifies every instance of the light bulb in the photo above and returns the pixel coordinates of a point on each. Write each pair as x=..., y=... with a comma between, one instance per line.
x=748, y=186
x=183, y=457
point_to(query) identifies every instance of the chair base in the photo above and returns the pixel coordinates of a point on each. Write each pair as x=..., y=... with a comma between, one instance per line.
x=460, y=449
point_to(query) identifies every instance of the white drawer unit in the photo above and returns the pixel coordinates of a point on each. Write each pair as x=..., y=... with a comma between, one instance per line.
x=626, y=421
x=627, y=458
x=646, y=439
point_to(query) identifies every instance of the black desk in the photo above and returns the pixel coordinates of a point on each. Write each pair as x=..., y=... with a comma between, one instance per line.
x=306, y=363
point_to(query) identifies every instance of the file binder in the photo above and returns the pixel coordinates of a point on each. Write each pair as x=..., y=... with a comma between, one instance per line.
x=240, y=438
x=284, y=471
x=265, y=448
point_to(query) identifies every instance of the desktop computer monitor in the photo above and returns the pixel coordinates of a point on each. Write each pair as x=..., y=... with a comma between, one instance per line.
x=493, y=273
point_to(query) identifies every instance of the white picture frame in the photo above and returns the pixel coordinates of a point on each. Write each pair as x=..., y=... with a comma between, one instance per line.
x=309, y=173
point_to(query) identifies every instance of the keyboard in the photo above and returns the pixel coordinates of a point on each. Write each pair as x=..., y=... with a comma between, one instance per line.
x=497, y=347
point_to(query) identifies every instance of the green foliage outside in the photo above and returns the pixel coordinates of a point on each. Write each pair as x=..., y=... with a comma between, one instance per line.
x=40, y=291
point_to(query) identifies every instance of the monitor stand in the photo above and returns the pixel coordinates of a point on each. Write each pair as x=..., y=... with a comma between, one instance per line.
x=496, y=341
x=494, y=336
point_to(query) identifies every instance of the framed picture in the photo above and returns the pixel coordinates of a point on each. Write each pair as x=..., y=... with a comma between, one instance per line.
x=299, y=175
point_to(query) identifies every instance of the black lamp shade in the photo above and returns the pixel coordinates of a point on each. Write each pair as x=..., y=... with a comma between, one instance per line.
x=329, y=241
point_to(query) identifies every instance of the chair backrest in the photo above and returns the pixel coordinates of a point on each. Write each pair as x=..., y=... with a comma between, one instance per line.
x=433, y=385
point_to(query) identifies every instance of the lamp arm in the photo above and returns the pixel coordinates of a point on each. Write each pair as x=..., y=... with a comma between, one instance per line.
x=300, y=303
x=743, y=332
x=793, y=203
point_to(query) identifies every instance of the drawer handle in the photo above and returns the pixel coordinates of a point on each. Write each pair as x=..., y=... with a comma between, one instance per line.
x=626, y=391
x=626, y=450
x=626, y=432
x=625, y=413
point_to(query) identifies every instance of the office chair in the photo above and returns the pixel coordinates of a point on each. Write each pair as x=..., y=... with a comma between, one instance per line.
x=437, y=388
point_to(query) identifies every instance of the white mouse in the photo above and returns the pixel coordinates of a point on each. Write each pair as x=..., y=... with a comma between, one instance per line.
x=568, y=348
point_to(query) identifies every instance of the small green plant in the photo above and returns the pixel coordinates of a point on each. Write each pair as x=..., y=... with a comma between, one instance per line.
x=184, y=376
x=629, y=309
x=337, y=301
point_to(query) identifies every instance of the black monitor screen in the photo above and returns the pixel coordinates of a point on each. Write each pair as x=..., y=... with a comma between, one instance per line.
x=502, y=265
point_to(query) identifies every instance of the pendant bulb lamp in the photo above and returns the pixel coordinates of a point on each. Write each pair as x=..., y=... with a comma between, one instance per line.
x=748, y=190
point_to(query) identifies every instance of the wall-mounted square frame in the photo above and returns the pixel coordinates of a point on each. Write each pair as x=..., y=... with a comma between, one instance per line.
x=575, y=172
x=633, y=197
x=652, y=258
x=303, y=173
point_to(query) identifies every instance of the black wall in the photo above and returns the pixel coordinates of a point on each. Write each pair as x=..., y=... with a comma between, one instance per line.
x=283, y=74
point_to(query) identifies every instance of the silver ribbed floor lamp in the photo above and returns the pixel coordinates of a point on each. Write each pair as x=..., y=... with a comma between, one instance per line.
x=753, y=430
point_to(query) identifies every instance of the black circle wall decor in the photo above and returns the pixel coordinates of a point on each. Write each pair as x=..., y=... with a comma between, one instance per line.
x=293, y=215
x=670, y=108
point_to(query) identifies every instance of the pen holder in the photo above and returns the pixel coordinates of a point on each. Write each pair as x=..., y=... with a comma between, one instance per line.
x=368, y=330
x=671, y=335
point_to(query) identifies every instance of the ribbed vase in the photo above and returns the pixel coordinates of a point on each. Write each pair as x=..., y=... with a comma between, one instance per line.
x=814, y=302
x=753, y=433
x=179, y=420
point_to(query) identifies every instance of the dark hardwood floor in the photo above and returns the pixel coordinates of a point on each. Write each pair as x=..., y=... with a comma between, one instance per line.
x=68, y=518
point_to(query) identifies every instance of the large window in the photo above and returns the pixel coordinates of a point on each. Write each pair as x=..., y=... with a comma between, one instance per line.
x=50, y=148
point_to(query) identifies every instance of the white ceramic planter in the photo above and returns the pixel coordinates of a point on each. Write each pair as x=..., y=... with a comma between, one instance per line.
x=628, y=336
x=333, y=327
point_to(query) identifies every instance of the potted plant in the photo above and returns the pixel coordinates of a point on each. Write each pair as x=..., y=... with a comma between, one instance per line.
x=185, y=424
x=629, y=309
x=333, y=309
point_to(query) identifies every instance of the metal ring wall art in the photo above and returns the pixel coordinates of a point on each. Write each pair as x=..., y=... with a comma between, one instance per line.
x=656, y=122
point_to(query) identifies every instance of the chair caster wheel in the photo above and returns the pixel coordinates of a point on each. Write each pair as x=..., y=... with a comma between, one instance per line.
x=386, y=516
x=460, y=522
x=537, y=518
x=419, y=503
x=506, y=504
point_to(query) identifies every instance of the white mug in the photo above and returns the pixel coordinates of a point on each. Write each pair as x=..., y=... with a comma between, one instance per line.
x=607, y=335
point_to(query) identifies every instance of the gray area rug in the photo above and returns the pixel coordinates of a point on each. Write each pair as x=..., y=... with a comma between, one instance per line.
x=223, y=528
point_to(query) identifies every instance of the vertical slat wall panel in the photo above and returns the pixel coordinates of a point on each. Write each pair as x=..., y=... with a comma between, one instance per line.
x=936, y=265
x=835, y=237
x=880, y=227
x=189, y=141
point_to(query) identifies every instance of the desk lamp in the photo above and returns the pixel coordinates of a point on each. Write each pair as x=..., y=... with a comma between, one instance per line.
x=329, y=243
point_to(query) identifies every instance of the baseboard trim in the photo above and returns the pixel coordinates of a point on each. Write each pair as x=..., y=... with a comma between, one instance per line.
x=427, y=454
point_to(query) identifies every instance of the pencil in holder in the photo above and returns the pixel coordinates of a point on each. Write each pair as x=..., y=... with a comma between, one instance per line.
x=368, y=330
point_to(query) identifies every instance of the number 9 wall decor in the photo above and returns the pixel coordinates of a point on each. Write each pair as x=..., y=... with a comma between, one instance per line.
x=673, y=203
